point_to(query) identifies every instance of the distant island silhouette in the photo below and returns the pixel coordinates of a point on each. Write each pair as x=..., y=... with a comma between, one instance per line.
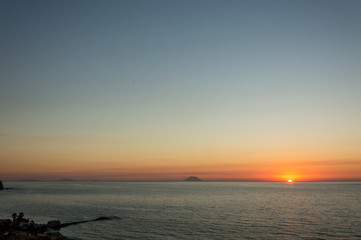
x=193, y=179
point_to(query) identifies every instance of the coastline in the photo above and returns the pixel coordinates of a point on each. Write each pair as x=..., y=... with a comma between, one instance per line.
x=22, y=229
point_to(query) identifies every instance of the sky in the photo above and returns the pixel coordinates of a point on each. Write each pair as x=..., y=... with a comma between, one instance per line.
x=161, y=90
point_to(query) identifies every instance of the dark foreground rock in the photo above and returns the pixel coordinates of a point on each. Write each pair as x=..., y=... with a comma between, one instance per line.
x=22, y=229
x=2, y=186
x=21, y=235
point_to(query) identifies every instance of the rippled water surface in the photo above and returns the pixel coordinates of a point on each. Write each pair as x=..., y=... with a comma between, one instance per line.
x=192, y=210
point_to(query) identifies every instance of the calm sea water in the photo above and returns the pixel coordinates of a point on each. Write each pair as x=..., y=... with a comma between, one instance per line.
x=192, y=210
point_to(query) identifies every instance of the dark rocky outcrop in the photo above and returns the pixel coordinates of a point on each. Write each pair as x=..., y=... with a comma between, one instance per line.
x=193, y=179
x=2, y=186
x=21, y=228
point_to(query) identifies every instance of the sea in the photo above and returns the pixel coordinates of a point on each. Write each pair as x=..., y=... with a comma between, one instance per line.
x=191, y=210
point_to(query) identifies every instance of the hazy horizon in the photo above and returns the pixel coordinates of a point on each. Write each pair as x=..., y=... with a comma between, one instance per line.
x=166, y=180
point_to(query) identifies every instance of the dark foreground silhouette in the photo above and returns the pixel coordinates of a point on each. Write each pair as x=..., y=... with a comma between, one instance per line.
x=2, y=186
x=20, y=228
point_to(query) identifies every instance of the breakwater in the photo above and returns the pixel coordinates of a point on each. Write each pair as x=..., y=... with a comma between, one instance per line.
x=20, y=228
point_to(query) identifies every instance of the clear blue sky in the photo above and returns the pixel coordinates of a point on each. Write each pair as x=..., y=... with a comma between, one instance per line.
x=149, y=74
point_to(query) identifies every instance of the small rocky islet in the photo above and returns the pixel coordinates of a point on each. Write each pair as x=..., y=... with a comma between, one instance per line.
x=2, y=186
x=193, y=179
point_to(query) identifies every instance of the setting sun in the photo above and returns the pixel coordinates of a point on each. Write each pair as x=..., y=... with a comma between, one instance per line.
x=290, y=180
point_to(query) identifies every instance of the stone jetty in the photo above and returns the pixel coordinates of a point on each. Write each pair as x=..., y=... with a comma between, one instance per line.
x=20, y=228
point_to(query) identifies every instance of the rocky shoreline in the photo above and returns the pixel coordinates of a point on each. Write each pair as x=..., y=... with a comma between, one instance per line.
x=20, y=228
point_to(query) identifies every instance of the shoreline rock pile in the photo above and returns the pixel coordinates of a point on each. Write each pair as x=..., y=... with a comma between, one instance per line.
x=20, y=228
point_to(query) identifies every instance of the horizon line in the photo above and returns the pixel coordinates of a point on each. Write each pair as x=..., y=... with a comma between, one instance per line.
x=172, y=180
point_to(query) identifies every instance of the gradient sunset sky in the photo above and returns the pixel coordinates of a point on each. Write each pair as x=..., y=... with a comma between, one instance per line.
x=161, y=90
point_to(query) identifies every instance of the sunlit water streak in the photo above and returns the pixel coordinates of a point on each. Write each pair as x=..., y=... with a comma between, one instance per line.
x=190, y=210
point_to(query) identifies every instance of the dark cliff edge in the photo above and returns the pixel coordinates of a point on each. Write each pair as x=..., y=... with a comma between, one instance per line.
x=4, y=188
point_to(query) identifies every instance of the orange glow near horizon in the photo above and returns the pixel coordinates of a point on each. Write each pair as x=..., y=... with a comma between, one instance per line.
x=208, y=164
x=158, y=170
